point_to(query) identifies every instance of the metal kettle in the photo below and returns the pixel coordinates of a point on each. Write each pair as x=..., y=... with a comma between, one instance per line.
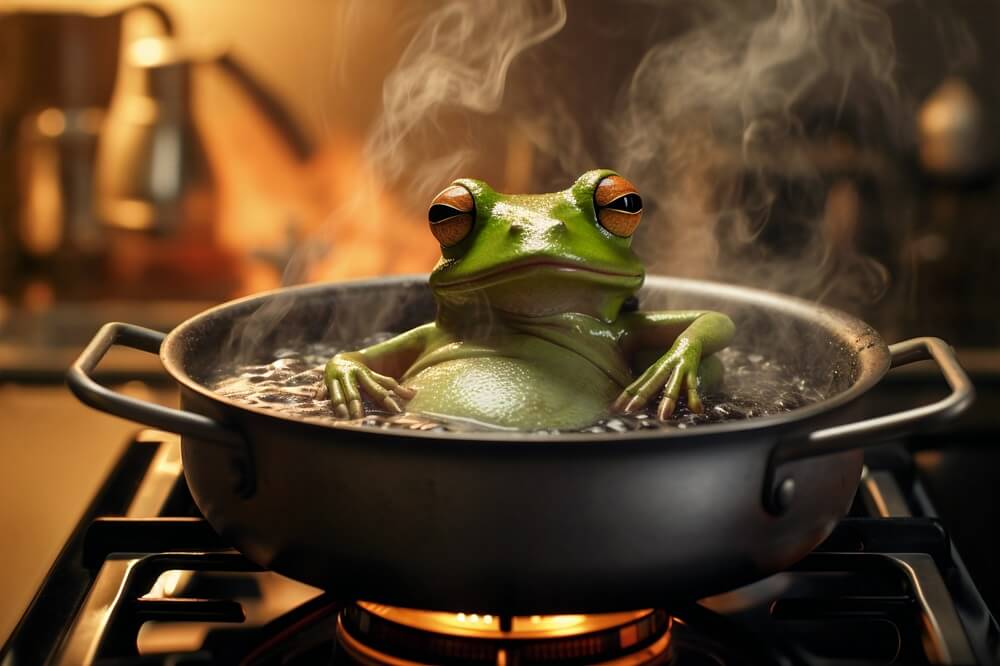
x=62, y=59
x=58, y=70
x=153, y=173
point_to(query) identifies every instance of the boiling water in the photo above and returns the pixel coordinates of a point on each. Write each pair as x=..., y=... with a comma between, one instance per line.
x=754, y=386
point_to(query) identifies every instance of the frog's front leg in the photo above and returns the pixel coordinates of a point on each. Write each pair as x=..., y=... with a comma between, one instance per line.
x=372, y=370
x=693, y=336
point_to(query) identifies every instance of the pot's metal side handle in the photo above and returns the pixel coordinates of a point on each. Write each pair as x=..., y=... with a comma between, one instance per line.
x=878, y=429
x=779, y=489
x=99, y=397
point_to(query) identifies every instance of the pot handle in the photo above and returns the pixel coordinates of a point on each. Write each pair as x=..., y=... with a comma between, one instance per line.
x=99, y=397
x=878, y=429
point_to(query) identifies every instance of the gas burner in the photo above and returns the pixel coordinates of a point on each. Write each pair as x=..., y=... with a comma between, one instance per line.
x=375, y=634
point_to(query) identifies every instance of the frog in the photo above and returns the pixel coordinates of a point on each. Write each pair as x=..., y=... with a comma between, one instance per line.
x=537, y=326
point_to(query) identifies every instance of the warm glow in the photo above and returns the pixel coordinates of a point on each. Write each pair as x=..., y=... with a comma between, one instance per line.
x=42, y=210
x=134, y=215
x=51, y=122
x=149, y=51
x=489, y=625
x=166, y=585
x=331, y=208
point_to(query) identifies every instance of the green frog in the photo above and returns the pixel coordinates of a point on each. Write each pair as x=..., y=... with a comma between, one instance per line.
x=533, y=328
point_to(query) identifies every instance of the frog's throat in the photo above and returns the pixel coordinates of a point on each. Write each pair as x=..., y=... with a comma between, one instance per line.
x=517, y=270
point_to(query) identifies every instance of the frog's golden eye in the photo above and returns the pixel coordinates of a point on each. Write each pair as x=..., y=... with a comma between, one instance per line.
x=451, y=215
x=618, y=205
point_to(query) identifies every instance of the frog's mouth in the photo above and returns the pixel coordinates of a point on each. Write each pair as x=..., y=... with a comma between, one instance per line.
x=521, y=269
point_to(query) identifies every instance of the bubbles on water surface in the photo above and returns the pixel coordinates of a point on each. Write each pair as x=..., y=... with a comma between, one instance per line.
x=755, y=386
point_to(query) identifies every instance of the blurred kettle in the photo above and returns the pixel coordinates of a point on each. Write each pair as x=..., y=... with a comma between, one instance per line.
x=62, y=59
x=153, y=173
x=58, y=70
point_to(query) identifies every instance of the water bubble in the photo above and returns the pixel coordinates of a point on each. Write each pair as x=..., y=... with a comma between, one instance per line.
x=616, y=425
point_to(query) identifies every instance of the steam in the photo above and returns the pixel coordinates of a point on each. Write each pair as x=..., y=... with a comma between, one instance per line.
x=746, y=124
x=720, y=119
x=458, y=60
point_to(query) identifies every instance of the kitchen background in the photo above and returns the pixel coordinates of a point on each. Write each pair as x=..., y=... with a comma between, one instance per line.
x=157, y=160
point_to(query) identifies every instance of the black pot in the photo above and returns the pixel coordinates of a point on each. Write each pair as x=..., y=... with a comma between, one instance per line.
x=523, y=523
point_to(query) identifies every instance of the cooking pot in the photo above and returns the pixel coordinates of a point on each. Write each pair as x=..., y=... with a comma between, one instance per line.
x=521, y=523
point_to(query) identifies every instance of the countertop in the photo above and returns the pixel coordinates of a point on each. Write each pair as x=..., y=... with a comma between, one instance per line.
x=55, y=453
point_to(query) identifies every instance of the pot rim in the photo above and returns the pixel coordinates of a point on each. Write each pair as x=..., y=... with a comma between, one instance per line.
x=870, y=351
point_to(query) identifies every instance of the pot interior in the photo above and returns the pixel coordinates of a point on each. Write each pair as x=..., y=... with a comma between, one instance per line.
x=837, y=355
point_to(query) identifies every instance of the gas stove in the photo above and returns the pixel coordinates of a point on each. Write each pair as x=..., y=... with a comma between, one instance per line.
x=145, y=580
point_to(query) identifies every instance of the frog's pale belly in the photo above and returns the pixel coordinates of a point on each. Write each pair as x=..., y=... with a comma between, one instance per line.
x=561, y=391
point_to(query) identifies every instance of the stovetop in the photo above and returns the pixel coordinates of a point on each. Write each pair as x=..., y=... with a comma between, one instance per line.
x=145, y=580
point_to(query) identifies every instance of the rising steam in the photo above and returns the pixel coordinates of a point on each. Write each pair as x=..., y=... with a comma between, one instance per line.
x=745, y=124
x=727, y=102
x=457, y=61
x=721, y=118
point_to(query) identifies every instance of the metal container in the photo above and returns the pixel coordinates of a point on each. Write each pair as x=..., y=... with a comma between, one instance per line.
x=523, y=523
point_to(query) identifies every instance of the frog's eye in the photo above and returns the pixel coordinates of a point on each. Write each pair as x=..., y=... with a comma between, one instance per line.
x=618, y=205
x=451, y=215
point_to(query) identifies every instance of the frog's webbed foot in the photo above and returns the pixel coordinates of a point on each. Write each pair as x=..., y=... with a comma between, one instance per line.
x=675, y=371
x=346, y=377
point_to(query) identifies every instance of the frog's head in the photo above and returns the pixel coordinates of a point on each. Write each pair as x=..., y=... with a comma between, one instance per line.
x=538, y=254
